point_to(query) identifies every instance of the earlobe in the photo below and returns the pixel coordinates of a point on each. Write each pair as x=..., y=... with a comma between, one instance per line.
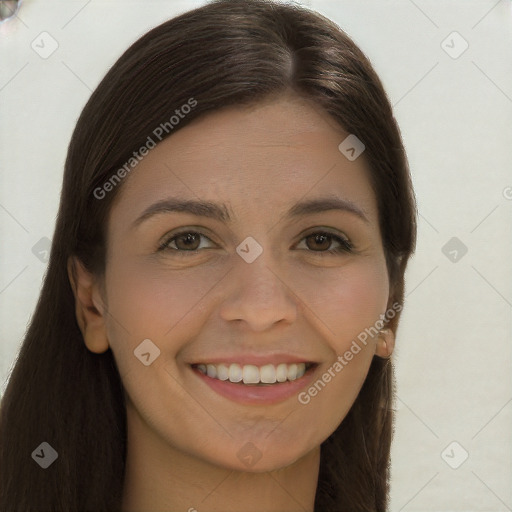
x=89, y=308
x=385, y=343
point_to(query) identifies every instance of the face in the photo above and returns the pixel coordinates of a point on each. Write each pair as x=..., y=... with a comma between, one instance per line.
x=264, y=283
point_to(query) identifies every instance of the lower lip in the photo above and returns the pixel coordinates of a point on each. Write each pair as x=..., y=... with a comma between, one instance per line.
x=266, y=395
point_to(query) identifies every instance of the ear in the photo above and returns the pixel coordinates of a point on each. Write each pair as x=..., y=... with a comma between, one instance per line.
x=385, y=343
x=89, y=308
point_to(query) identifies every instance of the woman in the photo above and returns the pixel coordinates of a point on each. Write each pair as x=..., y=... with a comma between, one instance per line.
x=225, y=280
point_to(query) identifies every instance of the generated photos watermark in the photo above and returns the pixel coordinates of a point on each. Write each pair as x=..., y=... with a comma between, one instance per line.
x=362, y=338
x=159, y=133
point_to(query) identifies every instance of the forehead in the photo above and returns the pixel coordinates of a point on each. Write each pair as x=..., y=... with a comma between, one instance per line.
x=259, y=159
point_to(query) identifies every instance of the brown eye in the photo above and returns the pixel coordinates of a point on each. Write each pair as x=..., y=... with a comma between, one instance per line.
x=321, y=242
x=186, y=241
x=189, y=241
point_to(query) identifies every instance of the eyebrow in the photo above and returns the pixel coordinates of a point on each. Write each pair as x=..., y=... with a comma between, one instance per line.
x=220, y=211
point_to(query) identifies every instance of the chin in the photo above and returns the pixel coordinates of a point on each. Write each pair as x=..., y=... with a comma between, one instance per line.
x=249, y=459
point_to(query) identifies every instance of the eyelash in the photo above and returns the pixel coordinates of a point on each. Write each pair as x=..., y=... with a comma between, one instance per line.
x=345, y=245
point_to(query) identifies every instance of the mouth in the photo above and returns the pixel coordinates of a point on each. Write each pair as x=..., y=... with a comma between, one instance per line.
x=258, y=376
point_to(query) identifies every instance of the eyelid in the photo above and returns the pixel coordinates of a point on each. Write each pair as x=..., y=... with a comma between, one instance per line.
x=344, y=243
x=328, y=231
x=166, y=239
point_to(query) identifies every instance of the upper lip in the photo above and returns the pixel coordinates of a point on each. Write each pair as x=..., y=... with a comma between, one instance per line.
x=255, y=359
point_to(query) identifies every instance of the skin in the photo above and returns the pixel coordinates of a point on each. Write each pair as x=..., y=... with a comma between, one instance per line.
x=294, y=298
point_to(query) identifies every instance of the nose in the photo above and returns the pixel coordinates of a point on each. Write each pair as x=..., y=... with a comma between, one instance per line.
x=259, y=295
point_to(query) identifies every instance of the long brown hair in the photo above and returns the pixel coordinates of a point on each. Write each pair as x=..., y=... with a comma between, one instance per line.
x=229, y=52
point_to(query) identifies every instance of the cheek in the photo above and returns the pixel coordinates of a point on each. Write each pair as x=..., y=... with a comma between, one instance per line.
x=149, y=301
x=348, y=300
x=351, y=303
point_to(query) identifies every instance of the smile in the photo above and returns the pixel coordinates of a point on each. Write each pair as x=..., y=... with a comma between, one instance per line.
x=249, y=374
x=256, y=379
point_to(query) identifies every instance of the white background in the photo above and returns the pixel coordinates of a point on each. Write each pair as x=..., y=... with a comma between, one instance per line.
x=453, y=354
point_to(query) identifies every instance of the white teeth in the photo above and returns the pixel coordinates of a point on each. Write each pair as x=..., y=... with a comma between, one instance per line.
x=251, y=374
x=281, y=372
x=268, y=374
x=222, y=372
x=235, y=373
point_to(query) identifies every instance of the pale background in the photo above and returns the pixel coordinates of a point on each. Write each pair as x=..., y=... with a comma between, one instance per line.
x=453, y=355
